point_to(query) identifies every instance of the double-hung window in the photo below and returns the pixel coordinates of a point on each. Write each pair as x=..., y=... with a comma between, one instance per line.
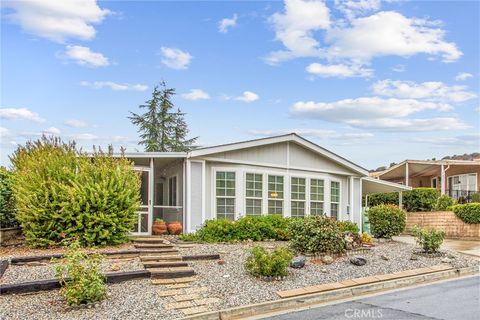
x=297, y=194
x=253, y=194
x=225, y=194
x=275, y=194
x=334, y=199
x=317, y=187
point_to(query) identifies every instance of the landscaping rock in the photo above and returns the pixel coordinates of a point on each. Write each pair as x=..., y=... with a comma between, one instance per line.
x=358, y=261
x=413, y=257
x=446, y=260
x=323, y=270
x=298, y=262
x=221, y=262
x=327, y=259
x=384, y=257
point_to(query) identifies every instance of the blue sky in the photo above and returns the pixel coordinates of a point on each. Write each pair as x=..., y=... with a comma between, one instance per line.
x=375, y=81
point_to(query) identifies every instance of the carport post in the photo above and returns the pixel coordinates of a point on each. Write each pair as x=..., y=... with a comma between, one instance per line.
x=442, y=180
x=406, y=174
x=400, y=199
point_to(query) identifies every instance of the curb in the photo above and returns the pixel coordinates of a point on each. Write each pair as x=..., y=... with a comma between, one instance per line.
x=316, y=298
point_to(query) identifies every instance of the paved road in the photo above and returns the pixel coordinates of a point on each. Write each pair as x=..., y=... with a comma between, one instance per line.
x=452, y=300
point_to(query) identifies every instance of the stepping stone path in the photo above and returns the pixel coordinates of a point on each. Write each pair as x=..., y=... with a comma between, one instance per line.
x=174, y=275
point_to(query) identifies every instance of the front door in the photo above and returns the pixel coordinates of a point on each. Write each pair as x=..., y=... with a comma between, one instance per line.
x=142, y=227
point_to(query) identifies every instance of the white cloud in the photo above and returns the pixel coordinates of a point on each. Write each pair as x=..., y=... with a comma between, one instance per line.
x=83, y=136
x=431, y=90
x=354, y=8
x=85, y=57
x=248, y=96
x=115, y=86
x=389, y=33
x=175, y=58
x=466, y=140
x=227, y=23
x=461, y=76
x=4, y=133
x=75, y=123
x=196, y=94
x=57, y=20
x=20, y=114
x=338, y=70
x=412, y=125
x=399, y=68
x=52, y=131
x=295, y=27
x=315, y=133
x=349, y=110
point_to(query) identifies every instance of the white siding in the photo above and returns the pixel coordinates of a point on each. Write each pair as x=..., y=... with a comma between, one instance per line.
x=272, y=154
x=196, y=196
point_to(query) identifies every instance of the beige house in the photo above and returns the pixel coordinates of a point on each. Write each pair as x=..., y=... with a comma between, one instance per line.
x=457, y=178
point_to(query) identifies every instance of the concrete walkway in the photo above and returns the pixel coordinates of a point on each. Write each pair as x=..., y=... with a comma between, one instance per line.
x=468, y=247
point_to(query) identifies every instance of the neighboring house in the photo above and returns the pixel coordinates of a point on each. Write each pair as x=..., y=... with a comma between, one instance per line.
x=286, y=175
x=457, y=178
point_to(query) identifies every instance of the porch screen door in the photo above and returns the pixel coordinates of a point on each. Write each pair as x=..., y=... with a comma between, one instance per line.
x=141, y=227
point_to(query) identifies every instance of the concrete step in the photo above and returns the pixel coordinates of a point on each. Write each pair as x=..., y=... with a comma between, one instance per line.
x=153, y=246
x=164, y=264
x=171, y=273
x=171, y=257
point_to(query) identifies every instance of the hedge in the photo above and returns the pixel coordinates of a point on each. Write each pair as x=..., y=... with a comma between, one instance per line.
x=7, y=200
x=468, y=212
x=418, y=199
x=64, y=193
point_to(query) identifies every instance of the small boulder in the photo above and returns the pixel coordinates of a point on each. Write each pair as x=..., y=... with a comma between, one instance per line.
x=323, y=270
x=413, y=257
x=298, y=262
x=384, y=257
x=446, y=260
x=114, y=267
x=358, y=261
x=327, y=259
x=221, y=262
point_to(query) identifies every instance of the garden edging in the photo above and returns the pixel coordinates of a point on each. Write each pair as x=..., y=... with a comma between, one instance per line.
x=335, y=294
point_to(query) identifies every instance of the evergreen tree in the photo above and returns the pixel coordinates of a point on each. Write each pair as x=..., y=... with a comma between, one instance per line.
x=161, y=129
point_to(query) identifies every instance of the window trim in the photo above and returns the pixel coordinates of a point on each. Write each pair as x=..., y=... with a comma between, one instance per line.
x=245, y=198
x=214, y=193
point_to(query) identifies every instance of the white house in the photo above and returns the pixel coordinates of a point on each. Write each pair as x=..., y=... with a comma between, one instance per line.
x=285, y=175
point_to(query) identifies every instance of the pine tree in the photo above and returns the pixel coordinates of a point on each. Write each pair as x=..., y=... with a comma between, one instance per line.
x=161, y=129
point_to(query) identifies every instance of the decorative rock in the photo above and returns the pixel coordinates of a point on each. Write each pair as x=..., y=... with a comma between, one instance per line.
x=446, y=260
x=383, y=257
x=324, y=270
x=327, y=259
x=221, y=262
x=358, y=261
x=226, y=276
x=298, y=262
x=115, y=267
x=413, y=257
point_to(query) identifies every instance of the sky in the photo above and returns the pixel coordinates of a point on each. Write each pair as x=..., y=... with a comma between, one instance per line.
x=374, y=81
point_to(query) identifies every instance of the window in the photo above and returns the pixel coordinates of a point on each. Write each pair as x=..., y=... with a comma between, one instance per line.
x=172, y=191
x=225, y=194
x=297, y=188
x=334, y=199
x=316, y=197
x=275, y=195
x=434, y=182
x=253, y=194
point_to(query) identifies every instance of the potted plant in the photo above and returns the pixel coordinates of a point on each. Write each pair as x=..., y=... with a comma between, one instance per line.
x=159, y=227
x=175, y=227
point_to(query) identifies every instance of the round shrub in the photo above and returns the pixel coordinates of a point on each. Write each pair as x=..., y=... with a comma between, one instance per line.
x=468, y=212
x=348, y=226
x=429, y=239
x=420, y=199
x=61, y=191
x=7, y=200
x=260, y=263
x=315, y=234
x=386, y=220
x=443, y=202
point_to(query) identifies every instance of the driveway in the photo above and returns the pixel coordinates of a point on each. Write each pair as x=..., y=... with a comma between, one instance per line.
x=450, y=300
x=469, y=247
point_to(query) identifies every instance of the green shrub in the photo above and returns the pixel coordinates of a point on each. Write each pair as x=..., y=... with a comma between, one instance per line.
x=348, y=226
x=260, y=263
x=256, y=228
x=468, y=212
x=420, y=199
x=61, y=190
x=386, y=220
x=316, y=234
x=7, y=200
x=80, y=277
x=376, y=199
x=475, y=197
x=429, y=239
x=443, y=202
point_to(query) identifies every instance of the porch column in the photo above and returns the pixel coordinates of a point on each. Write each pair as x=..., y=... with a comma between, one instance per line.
x=442, y=180
x=151, y=186
x=406, y=174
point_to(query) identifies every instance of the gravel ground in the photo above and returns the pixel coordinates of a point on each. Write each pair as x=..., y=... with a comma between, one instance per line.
x=46, y=270
x=139, y=299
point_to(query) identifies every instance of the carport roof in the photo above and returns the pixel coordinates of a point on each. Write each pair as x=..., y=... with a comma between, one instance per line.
x=372, y=185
